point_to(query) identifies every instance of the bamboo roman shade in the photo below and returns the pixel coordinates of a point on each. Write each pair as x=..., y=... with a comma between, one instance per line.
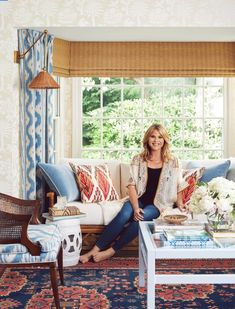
x=61, y=57
x=133, y=59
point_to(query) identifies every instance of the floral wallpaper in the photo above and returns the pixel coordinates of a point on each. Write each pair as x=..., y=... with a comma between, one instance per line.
x=82, y=13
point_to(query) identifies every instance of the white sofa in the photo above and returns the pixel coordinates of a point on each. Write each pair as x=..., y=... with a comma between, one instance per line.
x=100, y=214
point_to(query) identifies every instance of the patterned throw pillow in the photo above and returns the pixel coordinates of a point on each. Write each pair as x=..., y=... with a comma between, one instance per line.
x=94, y=183
x=191, y=176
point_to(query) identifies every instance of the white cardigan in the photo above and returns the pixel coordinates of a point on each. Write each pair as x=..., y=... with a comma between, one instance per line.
x=170, y=182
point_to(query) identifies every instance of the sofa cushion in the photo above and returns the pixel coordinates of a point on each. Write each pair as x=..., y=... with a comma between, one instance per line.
x=94, y=183
x=110, y=210
x=125, y=173
x=93, y=211
x=61, y=180
x=191, y=176
x=218, y=169
x=98, y=213
x=231, y=170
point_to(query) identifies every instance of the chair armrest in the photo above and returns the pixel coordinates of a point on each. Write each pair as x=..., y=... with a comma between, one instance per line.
x=13, y=205
x=15, y=215
x=13, y=229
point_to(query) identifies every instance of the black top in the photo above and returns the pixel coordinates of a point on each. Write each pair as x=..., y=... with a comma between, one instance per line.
x=151, y=187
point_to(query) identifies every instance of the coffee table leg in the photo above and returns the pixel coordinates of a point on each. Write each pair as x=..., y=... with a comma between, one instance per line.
x=151, y=280
x=141, y=267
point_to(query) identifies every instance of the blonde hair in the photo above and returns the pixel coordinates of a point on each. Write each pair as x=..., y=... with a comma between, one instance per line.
x=166, y=153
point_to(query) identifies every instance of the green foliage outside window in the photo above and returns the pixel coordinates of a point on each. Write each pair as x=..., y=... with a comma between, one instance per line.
x=117, y=111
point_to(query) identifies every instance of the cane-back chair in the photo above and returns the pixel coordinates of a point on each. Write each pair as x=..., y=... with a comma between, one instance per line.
x=26, y=242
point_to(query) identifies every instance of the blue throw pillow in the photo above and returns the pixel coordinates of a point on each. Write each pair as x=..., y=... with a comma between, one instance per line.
x=213, y=171
x=61, y=180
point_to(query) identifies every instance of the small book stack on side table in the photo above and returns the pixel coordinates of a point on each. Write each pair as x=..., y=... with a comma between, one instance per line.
x=69, y=226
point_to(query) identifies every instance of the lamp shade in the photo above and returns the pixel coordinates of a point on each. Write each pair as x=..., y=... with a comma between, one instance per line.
x=43, y=81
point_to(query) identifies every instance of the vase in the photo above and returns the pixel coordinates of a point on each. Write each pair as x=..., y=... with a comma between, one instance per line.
x=219, y=222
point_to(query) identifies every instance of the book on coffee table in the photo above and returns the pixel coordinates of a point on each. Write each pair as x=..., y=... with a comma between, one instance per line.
x=160, y=225
x=221, y=233
x=225, y=242
x=186, y=235
x=161, y=241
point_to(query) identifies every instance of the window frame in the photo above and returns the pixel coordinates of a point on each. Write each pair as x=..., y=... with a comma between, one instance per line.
x=77, y=119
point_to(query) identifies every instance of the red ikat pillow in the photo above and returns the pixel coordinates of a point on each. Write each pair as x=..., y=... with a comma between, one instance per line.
x=94, y=183
x=191, y=176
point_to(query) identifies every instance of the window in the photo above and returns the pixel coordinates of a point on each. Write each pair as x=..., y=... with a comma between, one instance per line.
x=115, y=112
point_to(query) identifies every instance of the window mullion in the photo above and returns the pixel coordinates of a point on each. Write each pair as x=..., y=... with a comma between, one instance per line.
x=101, y=118
x=187, y=92
x=122, y=113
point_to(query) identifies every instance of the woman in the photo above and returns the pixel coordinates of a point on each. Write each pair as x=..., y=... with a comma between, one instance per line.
x=155, y=184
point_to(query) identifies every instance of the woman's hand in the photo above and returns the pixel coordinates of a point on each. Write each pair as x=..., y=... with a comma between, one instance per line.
x=183, y=207
x=138, y=214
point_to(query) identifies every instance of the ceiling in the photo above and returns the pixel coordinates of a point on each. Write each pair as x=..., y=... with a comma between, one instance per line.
x=167, y=34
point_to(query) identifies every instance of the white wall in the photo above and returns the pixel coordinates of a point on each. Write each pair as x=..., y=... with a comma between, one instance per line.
x=231, y=117
x=34, y=13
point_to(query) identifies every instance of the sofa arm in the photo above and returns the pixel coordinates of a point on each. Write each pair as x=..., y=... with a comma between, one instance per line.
x=51, y=197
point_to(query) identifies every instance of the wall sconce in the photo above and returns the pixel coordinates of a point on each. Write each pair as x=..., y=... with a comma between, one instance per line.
x=43, y=80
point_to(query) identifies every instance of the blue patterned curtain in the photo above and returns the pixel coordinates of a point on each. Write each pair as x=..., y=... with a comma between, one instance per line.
x=36, y=112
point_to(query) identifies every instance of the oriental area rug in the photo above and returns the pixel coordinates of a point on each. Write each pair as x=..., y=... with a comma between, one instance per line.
x=114, y=284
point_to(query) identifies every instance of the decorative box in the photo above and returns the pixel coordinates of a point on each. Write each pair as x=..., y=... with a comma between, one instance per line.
x=67, y=211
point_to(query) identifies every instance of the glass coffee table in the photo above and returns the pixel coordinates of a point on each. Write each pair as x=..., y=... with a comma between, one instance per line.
x=151, y=250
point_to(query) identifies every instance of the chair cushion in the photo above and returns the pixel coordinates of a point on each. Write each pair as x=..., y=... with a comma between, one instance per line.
x=94, y=183
x=61, y=180
x=22, y=258
x=13, y=248
x=49, y=238
x=211, y=171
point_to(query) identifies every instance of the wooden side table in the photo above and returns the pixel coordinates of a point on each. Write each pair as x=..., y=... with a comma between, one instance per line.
x=71, y=236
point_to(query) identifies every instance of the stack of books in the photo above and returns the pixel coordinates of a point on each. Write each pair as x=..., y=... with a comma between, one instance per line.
x=220, y=233
x=70, y=212
x=66, y=211
x=223, y=238
x=187, y=238
x=160, y=225
x=225, y=242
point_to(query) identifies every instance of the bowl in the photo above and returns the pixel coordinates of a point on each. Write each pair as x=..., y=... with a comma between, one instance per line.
x=175, y=219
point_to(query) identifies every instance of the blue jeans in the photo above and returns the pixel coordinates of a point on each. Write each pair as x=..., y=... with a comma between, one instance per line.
x=123, y=228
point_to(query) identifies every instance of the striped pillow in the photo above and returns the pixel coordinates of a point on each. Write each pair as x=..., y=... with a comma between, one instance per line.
x=94, y=183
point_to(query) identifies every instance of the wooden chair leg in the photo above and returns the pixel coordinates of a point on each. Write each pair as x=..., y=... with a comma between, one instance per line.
x=60, y=265
x=53, y=273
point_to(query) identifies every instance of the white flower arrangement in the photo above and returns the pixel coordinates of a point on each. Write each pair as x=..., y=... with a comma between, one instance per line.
x=215, y=198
